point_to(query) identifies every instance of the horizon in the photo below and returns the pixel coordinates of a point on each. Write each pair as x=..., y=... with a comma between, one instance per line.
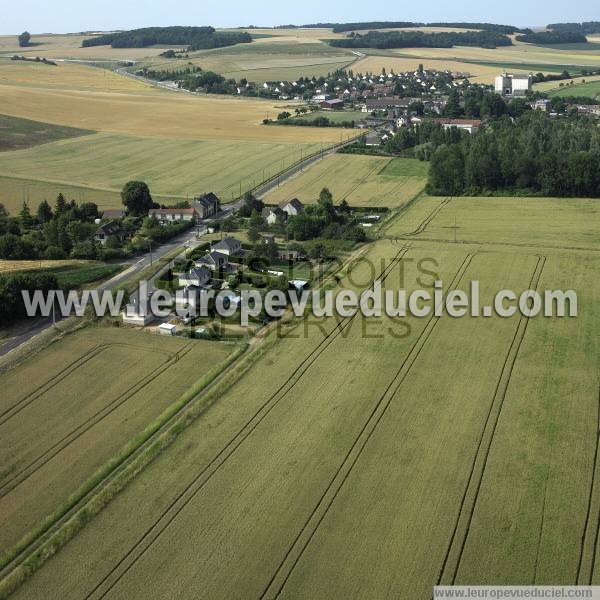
x=66, y=16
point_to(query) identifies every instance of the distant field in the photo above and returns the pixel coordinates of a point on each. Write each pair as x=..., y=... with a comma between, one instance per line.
x=74, y=405
x=16, y=134
x=552, y=86
x=360, y=180
x=169, y=166
x=552, y=222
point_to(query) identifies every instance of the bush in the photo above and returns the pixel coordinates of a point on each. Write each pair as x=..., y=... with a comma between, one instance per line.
x=11, y=301
x=54, y=253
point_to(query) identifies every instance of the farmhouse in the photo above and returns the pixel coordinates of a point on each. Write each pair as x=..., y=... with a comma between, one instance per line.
x=272, y=214
x=468, y=125
x=196, y=276
x=132, y=315
x=229, y=246
x=166, y=216
x=207, y=205
x=292, y=207
x=334, y=104
x=107, y=230
x=509, y=84
x=215, y=261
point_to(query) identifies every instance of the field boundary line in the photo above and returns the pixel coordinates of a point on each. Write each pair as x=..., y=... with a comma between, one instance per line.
x=580, y=578
x=307, y=532
x=47, y=455
x=183, y=498
x=482, y=450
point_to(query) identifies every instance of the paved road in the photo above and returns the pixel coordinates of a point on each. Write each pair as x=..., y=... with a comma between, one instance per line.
x=133, y=266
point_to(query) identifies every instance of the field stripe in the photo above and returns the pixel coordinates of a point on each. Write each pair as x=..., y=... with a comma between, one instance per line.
x=458, y=539
x=36, y=464
x=187, y=494
x=590, y=530
x=302, y=540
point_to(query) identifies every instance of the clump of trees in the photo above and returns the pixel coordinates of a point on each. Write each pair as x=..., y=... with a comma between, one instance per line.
x=137, y=198
x=24, y=39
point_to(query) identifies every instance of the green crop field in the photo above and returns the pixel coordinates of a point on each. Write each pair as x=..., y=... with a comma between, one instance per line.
x=549, y=222
x=70, y=408
x=170, y=166
x=590, y=88
x=16, y=134
x=360, y=180
x=365, y=459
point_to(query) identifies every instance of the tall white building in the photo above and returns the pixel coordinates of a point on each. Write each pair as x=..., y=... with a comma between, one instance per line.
x=509, y=84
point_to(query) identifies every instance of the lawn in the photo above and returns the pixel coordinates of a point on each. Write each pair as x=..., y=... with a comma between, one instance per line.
x=375, y=464
x=360, y=180
x=69, y=409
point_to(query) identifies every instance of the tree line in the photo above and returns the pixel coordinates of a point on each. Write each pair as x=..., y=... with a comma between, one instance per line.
x=196, y=38
x=364, y=25
x=587, y=27
x=419, y=39
x=532, y=154
x=553, y=37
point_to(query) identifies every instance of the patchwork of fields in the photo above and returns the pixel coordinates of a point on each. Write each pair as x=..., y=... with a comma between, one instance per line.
x=380, y=456
x=70, y=408
x=360, y=180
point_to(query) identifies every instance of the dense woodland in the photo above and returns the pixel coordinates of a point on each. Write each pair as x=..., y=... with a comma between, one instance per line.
x=418, y=39
x=553, y=37
x=532, y=154
x=585, y=27
x=368, y=25
x=195, y=38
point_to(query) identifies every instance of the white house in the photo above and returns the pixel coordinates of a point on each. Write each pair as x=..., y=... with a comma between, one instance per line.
x=468, y=125
x=229, y=246
x=215, y=261
x=166, y=216
x=132, y=315
x=292, y=207
x=271, y=214
x=196, y=276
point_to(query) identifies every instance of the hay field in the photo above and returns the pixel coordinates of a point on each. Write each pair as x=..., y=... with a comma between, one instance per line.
x=360, y=180
x=567, y=223
x=169, y=166
x=11, y=266
x=380, y=464
x=69, y=409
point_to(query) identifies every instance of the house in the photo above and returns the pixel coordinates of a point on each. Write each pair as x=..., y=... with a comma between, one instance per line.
x=292, y=207
x=272, y=214
x=387, y=102
x=107, y=230
x=334, y=104
x=372, y=139
x=541, y=104
x=167, y=216
x=469, y=125
x=113, y=213
x=509, y=84
x=196, y=276
x=290, y=255
x=229, y=246
x=132, y=315
x=207, y=205
x=215, y=261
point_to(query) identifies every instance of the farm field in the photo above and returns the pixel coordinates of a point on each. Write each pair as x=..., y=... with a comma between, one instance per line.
x=552, y=87
x=69, y=409
x=360, y=180
x=567, y=223
x=589, y=88
x=170, y=166
x=391, y=484
x=11, y=266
